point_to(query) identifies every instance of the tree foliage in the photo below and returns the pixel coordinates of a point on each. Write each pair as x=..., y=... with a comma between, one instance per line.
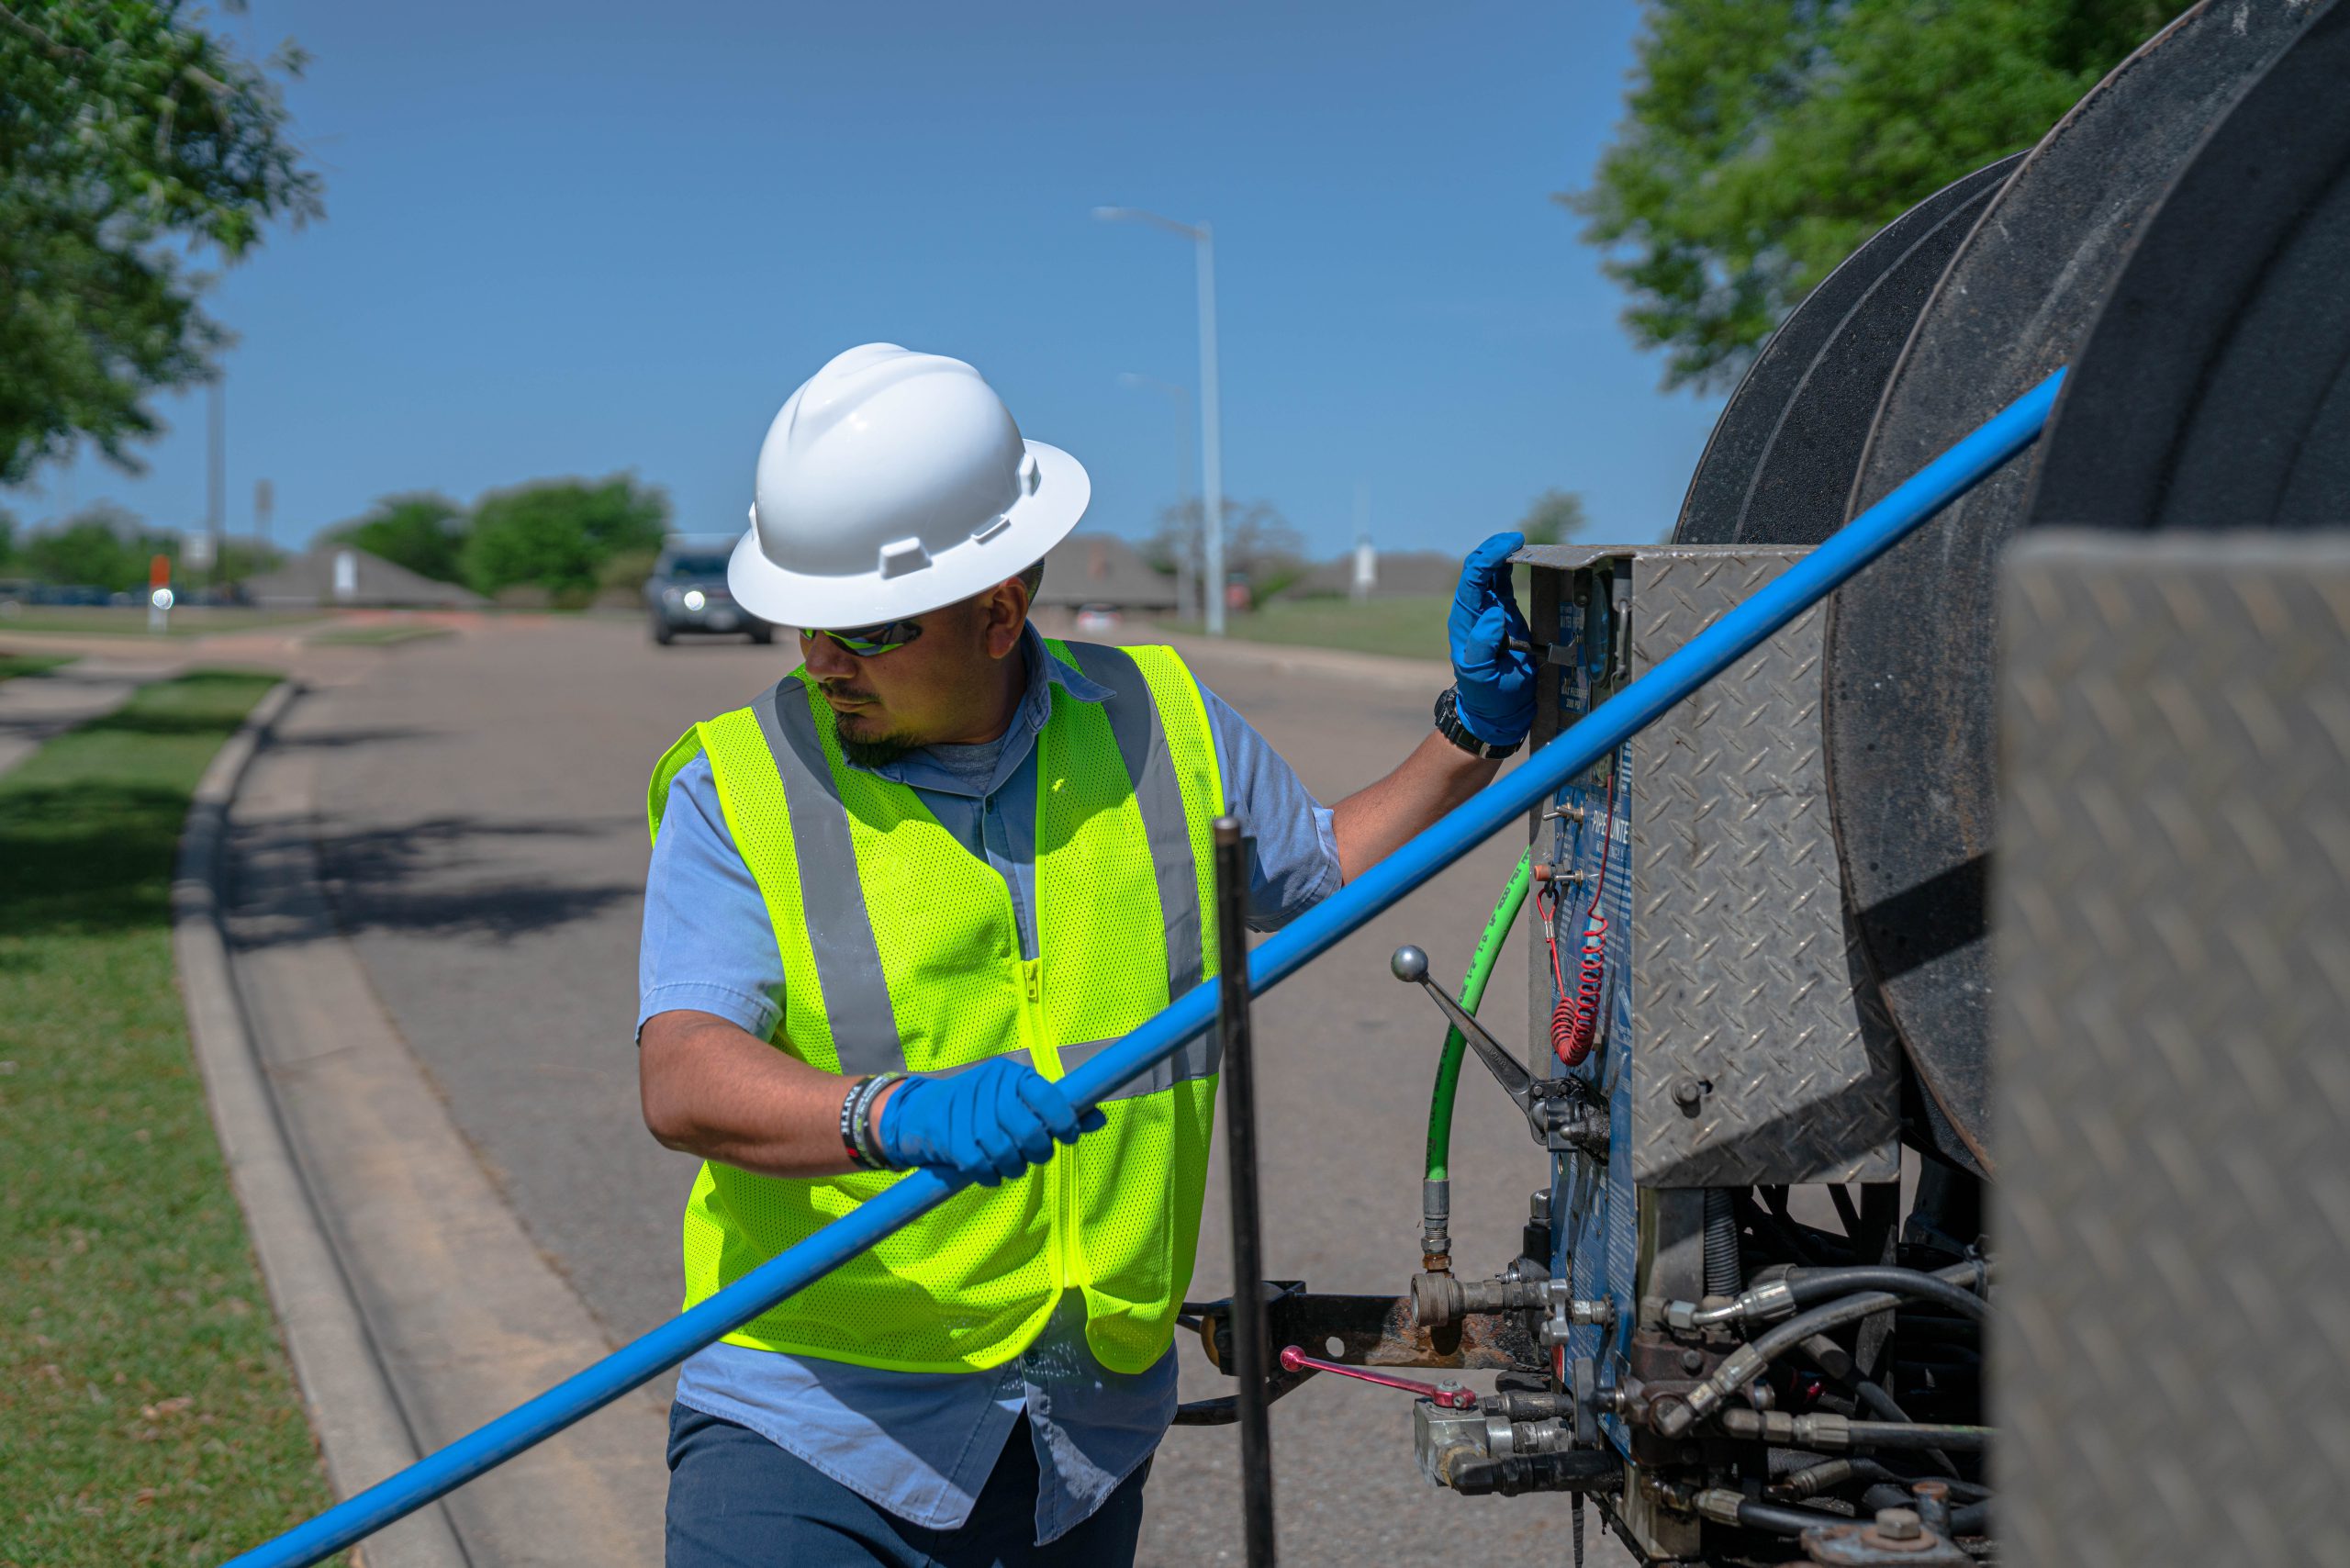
x=106, y=547
x=557, y=534
x=1767, y=139
x=99, y=547
x=1553, y=518
x=133, y=140
x=1259, y=546
x=422, y=531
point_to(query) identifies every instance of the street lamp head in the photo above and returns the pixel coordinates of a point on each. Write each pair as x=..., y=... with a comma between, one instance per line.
x=1192, y=231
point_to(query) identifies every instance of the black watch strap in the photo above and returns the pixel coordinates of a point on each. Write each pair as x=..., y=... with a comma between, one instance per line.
x=1449, y=725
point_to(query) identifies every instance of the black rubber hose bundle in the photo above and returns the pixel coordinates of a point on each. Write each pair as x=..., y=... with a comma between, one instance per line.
x=1811, y=1287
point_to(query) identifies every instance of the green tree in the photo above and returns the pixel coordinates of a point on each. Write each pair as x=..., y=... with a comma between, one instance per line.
x=1767, y=139
x=422, y=531
x=557, y=534
x=133, y=140
x=7, y=538
x=1553, y=518
x=1259, y=546
x=100, y=546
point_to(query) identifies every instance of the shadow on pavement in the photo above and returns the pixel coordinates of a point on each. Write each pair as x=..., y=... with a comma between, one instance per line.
x=438, y=878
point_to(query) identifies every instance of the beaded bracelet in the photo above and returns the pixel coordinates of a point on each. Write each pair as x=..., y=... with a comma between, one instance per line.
x=859, y=1136
x=848, y=1125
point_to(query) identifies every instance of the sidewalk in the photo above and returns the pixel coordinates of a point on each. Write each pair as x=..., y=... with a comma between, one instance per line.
x=33, y=708
x=467, y=1317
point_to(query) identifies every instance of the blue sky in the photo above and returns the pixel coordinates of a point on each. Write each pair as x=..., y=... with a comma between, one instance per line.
x=580, y=238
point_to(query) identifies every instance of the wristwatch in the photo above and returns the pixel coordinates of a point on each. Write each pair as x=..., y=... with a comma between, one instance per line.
x=1449, y=725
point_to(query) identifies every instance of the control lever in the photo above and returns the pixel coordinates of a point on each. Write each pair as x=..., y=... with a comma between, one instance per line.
x=1450, y=1394
x=1531, y=1096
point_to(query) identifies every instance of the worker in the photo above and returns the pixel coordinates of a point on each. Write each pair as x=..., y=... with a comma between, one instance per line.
x=890, y=903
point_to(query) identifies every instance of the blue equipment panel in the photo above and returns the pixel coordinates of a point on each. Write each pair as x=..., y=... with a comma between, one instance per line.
x=1585, y=837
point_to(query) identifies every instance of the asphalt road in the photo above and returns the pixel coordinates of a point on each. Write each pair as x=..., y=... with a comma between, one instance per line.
x=483, y=838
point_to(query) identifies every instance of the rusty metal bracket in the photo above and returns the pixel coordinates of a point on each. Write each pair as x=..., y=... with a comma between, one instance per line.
x=1376, y=1331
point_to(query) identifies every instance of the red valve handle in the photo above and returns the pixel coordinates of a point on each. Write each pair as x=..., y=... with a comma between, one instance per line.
x=1446, y=1395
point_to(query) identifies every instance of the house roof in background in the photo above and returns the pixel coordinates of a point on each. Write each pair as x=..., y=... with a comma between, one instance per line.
x=308, y=580
x=1401, y=573
x=1102, y=568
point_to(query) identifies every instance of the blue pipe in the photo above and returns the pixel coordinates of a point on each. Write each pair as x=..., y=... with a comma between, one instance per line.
x=1607, y=727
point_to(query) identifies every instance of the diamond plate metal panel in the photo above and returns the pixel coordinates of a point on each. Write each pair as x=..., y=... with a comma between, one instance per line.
x=2172, y=945
x=1745, y=981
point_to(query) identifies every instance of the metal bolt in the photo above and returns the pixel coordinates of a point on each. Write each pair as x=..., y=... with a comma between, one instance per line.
x=1693, y=1361
x=1687, y=1092
x=1899, y=1524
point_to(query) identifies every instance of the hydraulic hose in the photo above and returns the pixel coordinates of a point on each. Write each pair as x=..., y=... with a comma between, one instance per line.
x=1749, y=1360
x=1504, y=801
x=1436, y=1187
x=1785, y=1522
x=1811, y=1287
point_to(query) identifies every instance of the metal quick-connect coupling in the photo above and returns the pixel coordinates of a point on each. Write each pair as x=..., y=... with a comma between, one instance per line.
x=1743, y=1367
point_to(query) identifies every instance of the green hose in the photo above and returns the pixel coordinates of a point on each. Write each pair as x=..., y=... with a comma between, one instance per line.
x=1472, y=990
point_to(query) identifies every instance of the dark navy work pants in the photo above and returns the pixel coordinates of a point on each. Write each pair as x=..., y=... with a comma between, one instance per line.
x=738, y=1501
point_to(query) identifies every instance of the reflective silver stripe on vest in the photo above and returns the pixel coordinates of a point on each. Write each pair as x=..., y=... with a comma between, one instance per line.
x=831, y=896
x=1201, y=1057
x=1141, y=734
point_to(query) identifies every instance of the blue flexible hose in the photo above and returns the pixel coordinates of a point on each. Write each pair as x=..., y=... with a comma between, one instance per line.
x=1506, y=801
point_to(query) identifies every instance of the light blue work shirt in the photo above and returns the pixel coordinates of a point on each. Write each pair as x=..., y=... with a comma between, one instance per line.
x=921, y=1444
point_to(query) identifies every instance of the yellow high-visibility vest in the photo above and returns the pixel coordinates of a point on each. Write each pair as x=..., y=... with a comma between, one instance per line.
x=900, y=951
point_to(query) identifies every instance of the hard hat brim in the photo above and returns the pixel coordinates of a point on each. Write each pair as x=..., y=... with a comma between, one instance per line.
x=1036, y=522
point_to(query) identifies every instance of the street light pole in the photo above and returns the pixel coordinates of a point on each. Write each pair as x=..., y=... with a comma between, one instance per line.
x=1202, y=238
x=1211, y=436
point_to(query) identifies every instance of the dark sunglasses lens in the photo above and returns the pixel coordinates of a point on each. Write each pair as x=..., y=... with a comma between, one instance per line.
x=879, y=638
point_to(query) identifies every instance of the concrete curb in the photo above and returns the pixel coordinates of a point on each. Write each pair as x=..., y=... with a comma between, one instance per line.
x=353, y=1411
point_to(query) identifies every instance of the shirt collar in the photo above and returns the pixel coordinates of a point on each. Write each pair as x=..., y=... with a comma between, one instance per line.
x=1045, y=670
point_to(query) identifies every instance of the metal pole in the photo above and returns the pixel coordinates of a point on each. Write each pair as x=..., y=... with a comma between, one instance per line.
x=1252, y=1337
x=216, y=488
x=1210, y=435
x=1499, y=805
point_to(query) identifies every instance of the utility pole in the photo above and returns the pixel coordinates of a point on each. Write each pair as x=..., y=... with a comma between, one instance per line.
x=216, y=485
x=1211, y=436
x=1202, y=237
x=265, y=503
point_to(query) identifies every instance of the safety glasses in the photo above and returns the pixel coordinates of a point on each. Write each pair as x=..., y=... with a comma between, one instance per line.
x=882, y=637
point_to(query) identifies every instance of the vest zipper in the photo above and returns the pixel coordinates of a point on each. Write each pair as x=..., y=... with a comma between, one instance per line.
x=1061, y=1171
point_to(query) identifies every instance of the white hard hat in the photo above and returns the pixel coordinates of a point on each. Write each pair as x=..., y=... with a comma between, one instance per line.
x=890, y=484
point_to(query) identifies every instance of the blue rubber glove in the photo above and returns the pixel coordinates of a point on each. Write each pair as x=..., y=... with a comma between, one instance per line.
x=985, y=1123
x=1496, y=681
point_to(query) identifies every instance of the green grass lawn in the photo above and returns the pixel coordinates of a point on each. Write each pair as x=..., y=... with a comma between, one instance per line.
x=14, y=664
x=1407, y=627
x=130, y=620
x=147, y=1411
x=381, y=634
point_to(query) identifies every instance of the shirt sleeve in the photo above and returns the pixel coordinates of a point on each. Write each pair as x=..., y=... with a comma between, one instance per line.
x=1295, y=864
x=708, y=943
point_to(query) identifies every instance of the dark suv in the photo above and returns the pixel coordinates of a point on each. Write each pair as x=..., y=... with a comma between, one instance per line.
x=688, y=593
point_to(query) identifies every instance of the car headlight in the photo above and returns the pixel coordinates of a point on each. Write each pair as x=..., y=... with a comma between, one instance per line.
x=695, y=598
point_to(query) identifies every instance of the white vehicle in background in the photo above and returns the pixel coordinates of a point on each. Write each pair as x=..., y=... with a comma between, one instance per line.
x=1099, y=618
